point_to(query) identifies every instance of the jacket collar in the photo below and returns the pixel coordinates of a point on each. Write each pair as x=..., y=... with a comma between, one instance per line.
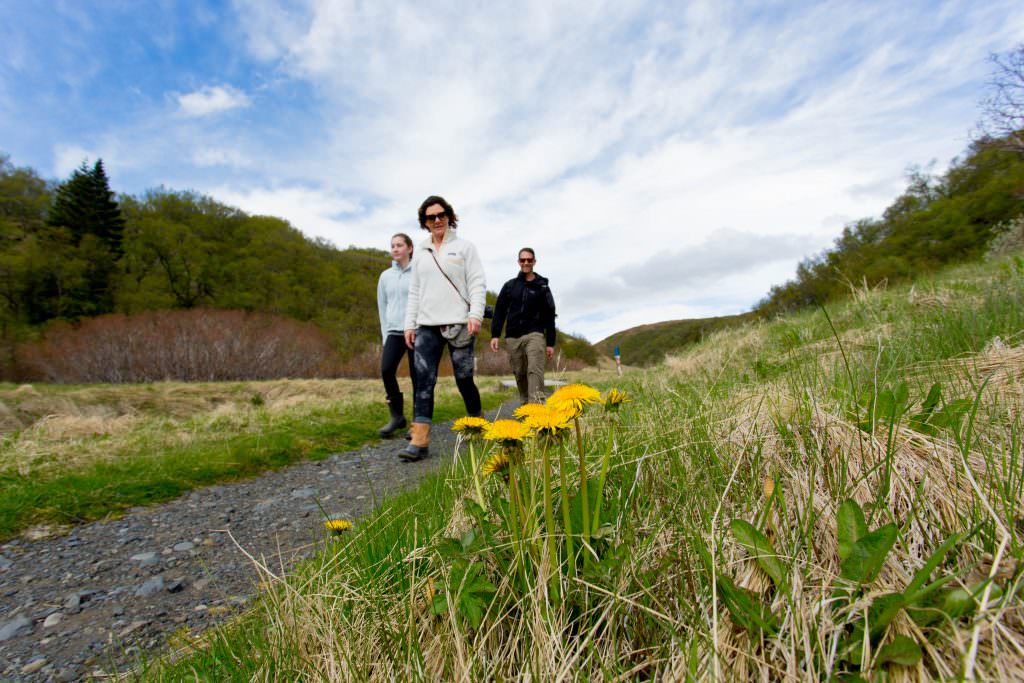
x=449, y=236
x=395, y=266
x=521, y=276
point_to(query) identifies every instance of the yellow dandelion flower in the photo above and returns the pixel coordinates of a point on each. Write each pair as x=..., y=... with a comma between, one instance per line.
x=507, y=432
x=614, y=399
x=338, y=525
x=549, y=421
x=498, y=462
x=573, y=398
x=471, y=426
x=527, y=409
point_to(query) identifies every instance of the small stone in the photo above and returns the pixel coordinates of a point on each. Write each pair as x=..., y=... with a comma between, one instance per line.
x=201, y=584
x=66, y=675
x=34, y=666
x=52, y=620
x=146, y=559
x=176, y=586
x=209, y=542
x=18, y=626
x=5, y=563
x=150, y=587
x=303, y=492
x=184, y=546
x=116, y=609
x=132, y=627
x=73, y=604
x=200, y=608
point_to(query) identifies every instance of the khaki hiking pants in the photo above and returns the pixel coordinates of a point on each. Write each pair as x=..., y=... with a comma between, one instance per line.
x=527, y=357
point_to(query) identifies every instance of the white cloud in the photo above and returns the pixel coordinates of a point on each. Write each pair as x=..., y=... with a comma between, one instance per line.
x=221, y=156
x=69, y=157
x=315, y=212
x=211, y=100
x=661, y=161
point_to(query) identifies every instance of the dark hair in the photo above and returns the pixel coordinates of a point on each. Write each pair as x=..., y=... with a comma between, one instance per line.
x=453, y=220
x=405, y=238
x=532, y=252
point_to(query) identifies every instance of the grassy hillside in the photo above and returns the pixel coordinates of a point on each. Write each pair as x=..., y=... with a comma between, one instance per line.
x=647, y=345
x=827, y=495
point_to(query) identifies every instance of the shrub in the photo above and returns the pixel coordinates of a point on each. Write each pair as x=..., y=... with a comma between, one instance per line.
x=191, y=345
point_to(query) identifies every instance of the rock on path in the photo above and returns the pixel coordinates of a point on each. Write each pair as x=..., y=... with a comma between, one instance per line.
x=110, y=591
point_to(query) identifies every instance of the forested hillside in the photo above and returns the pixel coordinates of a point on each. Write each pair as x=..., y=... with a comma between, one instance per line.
x=647, y=344
x=71, y=252
x=938, y=220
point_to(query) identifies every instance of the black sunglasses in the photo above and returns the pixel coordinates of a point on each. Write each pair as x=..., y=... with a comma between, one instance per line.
x=526, y=260
x=434, y=217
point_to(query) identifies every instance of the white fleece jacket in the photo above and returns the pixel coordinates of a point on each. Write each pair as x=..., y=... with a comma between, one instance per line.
x=432, y=299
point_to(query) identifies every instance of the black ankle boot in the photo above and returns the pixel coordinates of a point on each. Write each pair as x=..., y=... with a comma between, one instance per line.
x=396, y=407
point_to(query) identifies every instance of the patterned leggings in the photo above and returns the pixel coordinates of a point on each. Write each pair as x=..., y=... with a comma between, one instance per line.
x=427, y=357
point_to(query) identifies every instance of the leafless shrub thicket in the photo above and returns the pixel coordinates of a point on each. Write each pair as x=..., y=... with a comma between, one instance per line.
x=193, y=345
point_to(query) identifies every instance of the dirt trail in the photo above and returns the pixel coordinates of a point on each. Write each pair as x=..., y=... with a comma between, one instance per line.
x=95, y=599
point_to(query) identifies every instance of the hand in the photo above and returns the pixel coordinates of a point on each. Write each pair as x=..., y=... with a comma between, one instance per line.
x=550, y=350
x=494, y=343
x=474, y=325
x=410, y=338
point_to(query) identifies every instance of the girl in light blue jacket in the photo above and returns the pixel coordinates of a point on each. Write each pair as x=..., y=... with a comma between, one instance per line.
x=392, y=296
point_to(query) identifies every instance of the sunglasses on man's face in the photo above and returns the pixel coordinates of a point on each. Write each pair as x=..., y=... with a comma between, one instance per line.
x=434, y=217
x=526, y=260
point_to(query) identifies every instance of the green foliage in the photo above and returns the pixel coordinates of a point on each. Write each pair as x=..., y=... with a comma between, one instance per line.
x=937, y=220
x=76, y=253
x=862, y=553
x=647, y=345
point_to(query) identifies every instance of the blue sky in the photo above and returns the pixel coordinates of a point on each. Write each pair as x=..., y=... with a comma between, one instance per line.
x=666, y=160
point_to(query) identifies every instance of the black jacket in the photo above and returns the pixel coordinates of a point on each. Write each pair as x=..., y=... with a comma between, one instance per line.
x=527, y=306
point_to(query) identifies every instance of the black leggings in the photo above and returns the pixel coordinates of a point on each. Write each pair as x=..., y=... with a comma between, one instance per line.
x=429, y=347
x=390, y=358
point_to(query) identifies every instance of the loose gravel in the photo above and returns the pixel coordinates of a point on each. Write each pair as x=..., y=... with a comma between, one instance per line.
x=91, y=602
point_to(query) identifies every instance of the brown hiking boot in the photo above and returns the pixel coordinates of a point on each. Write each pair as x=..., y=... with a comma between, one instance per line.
x=419, y=444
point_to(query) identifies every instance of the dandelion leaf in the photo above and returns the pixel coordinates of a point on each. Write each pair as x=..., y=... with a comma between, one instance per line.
x=867, y=555
x=883, y=610
x=850, y=526
x=762, y=550
x=746, y=608
x=902, y=650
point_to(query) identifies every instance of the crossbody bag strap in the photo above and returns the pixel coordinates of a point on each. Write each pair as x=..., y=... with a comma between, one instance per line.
x=438, y=264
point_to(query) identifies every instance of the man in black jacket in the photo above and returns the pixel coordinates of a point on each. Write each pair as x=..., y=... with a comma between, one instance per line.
x=526, y=305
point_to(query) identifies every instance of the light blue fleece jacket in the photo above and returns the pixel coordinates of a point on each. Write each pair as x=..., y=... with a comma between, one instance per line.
x=392, y=298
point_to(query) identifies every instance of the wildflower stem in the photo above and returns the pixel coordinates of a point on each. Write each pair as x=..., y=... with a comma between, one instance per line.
x=549, y=515
x=476, y=474
x=566, y=519
x=600, y=482
x=583, y=490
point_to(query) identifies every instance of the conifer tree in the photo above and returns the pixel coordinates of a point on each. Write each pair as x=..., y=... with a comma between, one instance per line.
x=85, y=206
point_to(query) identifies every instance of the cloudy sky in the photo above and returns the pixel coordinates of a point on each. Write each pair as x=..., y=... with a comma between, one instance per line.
x=665, y=159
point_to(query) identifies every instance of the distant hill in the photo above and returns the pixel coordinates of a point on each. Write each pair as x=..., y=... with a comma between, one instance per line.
x=648, y=344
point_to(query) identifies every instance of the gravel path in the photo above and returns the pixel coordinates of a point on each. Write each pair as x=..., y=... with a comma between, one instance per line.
x=92, y=601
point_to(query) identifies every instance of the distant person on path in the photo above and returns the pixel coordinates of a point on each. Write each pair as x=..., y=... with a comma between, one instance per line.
x=526, y=309
x=392, y=296
x=618, y=360
x=446, y=308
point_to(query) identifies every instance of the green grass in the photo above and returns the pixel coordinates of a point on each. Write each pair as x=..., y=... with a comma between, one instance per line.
x=219, y=453
x=736, y=478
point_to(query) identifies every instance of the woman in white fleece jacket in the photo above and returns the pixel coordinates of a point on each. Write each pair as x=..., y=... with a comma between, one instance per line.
x=446, y=293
